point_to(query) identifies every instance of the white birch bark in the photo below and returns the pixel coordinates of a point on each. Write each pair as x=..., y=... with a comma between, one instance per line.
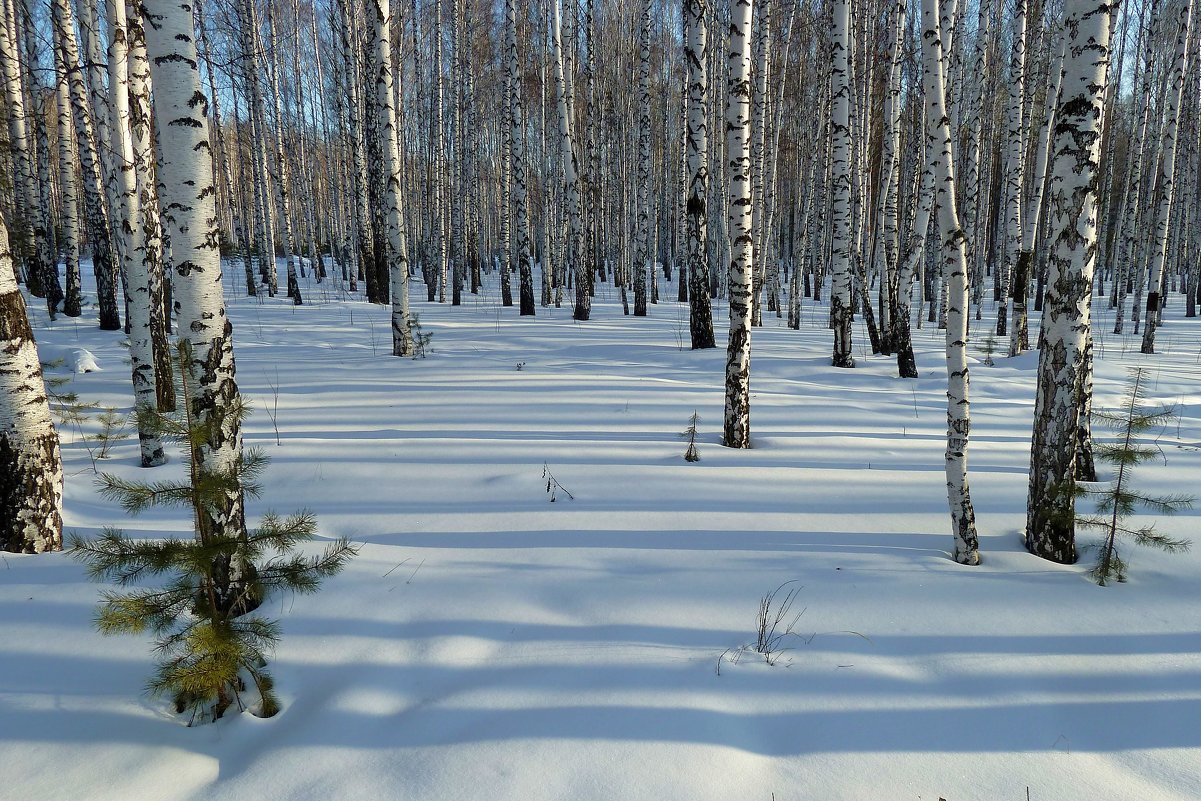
x=189, y=216
x=398, y=261
x=700, y=315
x=1015, y=276
x=840, y=254
x=31, y=472
x=953, y=255
x=740, y=222
x=150, y=242
x=1051, y=504
x=520, y=191
x=73, y=299
x=642, y=189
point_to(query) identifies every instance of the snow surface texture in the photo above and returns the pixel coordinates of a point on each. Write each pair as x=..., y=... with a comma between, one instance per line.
x=489, y=644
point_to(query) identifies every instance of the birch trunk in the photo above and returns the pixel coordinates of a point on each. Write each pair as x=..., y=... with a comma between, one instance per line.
x=520, y=192
x=1016, y=272
x=1051, y=504
x=189, y=213
x=73, y=300
x=840, y=130
x=398, y=262
x=150, y=242
x=31, y=471
x=740, y=222
x=953, y=254
x=642, y=189
x=700, y=314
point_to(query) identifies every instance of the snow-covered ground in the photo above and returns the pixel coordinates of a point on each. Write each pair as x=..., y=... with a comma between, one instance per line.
x=490, y=644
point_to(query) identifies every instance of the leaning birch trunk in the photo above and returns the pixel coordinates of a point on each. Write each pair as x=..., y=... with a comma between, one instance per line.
x=398, y=261
x=738, y=151
x=1051, y=504
x=31, y=470
x=1016, y=274
x=700, y=314
x=520, y=192
x=571, y=183
x=95, y=200
x=1167, y=176
x=189, y=215
x=139, y=297
x=953, y=254
x=840, y=255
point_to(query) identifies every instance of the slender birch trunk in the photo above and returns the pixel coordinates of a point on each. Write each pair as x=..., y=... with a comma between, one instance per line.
x=520, y=191
x=953, y=254
x=700, y=314
x=642, y=189
x=73, y=299
x=840, y=264
x=398, y=262
x=1015, y=272
x=150, y=242
x=1051, y=505
x=739, y=216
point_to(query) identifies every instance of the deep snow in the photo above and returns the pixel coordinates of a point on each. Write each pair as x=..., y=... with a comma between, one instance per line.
x=489, y=644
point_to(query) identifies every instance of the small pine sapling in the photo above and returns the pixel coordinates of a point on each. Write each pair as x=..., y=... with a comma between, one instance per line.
x=210, y=653
x=690, y=453
x=421, y=337
x=114, y=427
x=1119, y=501
x=988, y=346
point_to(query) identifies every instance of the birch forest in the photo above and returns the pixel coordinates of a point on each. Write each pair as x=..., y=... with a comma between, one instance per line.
x=775, y=154
x=902, y=197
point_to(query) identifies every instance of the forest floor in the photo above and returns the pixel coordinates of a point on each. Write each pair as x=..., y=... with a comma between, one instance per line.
x=492, y=641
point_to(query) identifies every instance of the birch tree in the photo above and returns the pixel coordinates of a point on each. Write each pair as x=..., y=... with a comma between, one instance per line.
x=520, y=191
x=1051, y=503
x=740, y=222
x=840, y=265
x=953, y=255
x=31, y=472
x=700, y=315
x=398, y=262
x=189, y=216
